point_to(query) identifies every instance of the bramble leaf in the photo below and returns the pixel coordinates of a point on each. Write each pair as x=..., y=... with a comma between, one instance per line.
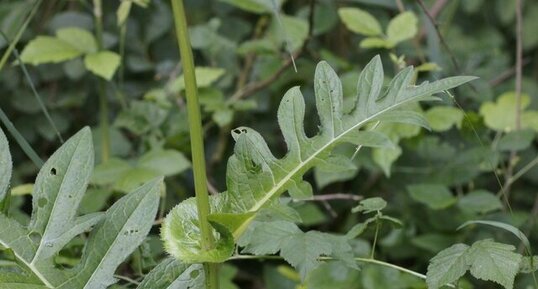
x=301, y=249
x=495, y=262
x=529, y=265
x=370, y=205
x=256, y=178
x=448, y=266
x=486, y=260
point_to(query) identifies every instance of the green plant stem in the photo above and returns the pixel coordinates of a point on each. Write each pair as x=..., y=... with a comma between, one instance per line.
x=358, y=259
x=196, y=137
x=18, y=36
x=377, y=227
x=103, y=101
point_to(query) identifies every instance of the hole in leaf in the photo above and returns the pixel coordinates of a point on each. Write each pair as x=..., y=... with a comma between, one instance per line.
x=194, y=274
x=35, y=237
x=53, y=171
x=42, y=202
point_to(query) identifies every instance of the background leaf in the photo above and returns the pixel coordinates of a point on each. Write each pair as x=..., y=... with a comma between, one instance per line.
x=103, y=63
x=45, y=49
x=360, y=21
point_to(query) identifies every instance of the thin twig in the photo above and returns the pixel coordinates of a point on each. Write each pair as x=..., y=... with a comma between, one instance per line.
x=125, y=278
x=336, y=196
x=440, y=36
x=434, y=12
x=523, y=171
x=400, y=5
x=252, y=88
x=505, y=75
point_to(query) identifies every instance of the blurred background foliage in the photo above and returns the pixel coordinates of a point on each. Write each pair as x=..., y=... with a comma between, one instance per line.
x=248, y=53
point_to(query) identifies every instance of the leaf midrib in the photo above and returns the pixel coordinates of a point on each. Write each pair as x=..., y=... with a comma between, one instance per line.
x=54, y=205
x=109, y=247
x=34, y=270
x=259, y=204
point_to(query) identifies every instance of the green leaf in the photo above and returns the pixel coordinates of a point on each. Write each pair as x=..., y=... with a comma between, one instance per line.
x=507, y=227
x=529, y=265
x=172, y=274
x=386, y=157
x=103, y=63
x=11, y=285
x=5, y=166
x=205, y=76
x=123, y=229
x=516, y=140
x=434, y=196
x=288, y=31
x=46, y=49
x=58, y=190
x=442, y=118
x=109, y=172
x=370, y=205
x=256, y=178
x=256, y=6
x=183, y=243
x=57, y=193
x=501, y=115
x=223, y=116
x=164, y=162
x=360, y=21
x=447, y=266
x=402, y=27
x=80, y=39
x=480, y=201
x=495, y=262
x=134, y=178
x=302, y=250
x=123, y=12
x=10, y=280
x=376, y=42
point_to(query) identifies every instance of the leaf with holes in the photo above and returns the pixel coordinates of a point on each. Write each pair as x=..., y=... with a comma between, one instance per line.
x=57, y=193
x=256, y=178
x=123, y=229
x=172, y=274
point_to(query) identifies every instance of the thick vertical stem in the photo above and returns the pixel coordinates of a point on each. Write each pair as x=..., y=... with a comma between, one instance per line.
x=196, y=137
x=103, y=101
